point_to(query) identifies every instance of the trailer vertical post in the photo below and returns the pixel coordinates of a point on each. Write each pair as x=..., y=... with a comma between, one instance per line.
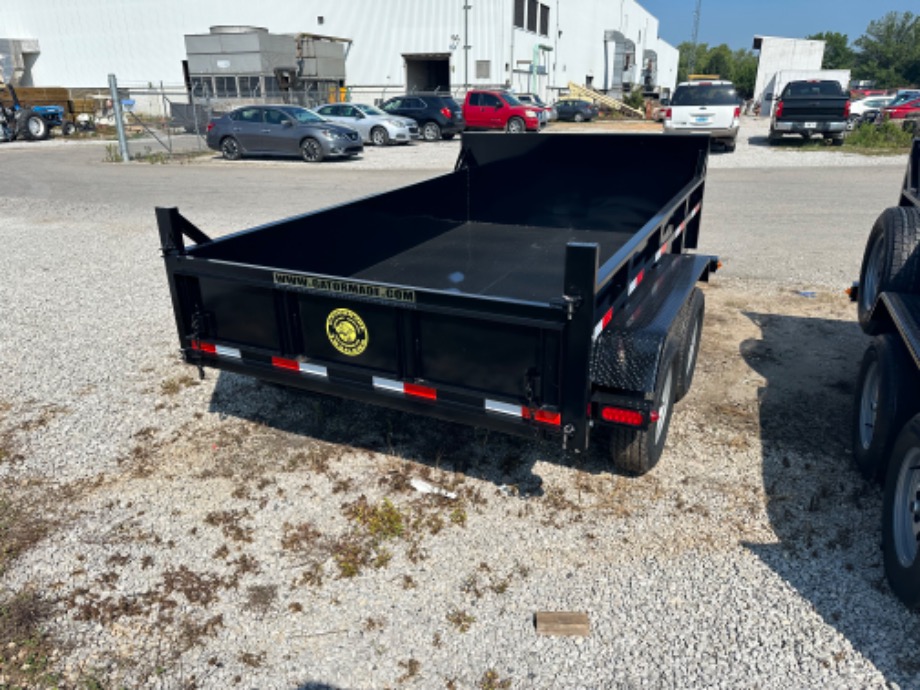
x=579, y=285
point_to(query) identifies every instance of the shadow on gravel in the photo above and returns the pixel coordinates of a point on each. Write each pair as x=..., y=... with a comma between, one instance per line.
x=823, y=513
x=479, y=453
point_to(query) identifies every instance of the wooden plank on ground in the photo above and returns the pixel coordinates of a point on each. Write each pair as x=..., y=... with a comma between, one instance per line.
x=562, y=623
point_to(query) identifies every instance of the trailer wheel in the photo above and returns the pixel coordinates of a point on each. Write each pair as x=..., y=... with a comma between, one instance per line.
x=885, y=394
x=891, y=261
x=901, y=517
x=33, y=126
x=637, y=451
x=690, y=345
x=230, y=148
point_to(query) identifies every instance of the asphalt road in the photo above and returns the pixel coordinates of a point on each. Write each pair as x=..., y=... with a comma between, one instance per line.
x=801, y=225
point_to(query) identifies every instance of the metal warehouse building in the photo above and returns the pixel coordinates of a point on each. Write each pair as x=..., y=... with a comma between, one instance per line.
x=390, y=45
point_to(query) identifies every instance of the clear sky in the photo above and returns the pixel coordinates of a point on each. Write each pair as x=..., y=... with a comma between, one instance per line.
x=736, y=22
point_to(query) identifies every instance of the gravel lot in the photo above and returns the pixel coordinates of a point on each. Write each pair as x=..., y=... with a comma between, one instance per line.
x=229, y=533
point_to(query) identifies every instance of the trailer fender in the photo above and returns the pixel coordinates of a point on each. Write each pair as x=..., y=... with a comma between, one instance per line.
x=651, y=326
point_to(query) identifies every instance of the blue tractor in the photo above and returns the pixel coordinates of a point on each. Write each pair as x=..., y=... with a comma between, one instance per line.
x=34, y=124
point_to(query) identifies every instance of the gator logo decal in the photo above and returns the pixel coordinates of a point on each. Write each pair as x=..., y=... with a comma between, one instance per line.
x=347, y=332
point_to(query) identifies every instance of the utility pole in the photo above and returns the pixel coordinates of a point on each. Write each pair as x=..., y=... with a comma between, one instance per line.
x=466, y=45
x=691, y=61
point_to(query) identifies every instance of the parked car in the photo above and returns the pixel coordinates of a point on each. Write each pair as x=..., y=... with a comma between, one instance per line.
x=576, y=110
x=713, y=107
x=375, y=126
x=281, y=130
x=438, y=115
x=859, y=108
x=547, y=113
x=902, y=110
x=499, y=110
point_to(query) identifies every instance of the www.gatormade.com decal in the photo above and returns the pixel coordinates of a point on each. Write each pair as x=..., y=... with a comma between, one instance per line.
x=347, y=332
x=343, y=287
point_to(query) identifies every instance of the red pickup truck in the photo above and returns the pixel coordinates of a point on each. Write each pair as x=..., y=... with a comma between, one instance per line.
x=499, y=110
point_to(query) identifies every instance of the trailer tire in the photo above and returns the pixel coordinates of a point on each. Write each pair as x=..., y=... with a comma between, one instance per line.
x=891, y=261
x=230, y=149
x=690, y=343
x=901, y=517
x=33, y=126
x=885, y=398
x=637, y=451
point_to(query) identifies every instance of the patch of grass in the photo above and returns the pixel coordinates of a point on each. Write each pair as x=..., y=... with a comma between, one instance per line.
x=302, y=538
x=411, y=668
x=174, y=385
x=383, y=521
x=491, y=680
x=461, y=620
x=26, y=650
x=887, y=137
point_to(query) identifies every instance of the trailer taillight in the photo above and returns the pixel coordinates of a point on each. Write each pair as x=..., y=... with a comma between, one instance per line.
x=210, y=348
x=620, y=415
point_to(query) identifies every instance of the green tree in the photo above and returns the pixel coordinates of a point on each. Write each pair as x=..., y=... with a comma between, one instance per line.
x=744, y=72
x=889, y=51
x=837, y=51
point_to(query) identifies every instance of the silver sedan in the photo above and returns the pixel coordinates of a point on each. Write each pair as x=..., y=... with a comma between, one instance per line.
x=375, y=126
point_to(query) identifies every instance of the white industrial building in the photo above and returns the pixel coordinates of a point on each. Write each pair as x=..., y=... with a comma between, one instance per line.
x=390, y=45
x=781, y=54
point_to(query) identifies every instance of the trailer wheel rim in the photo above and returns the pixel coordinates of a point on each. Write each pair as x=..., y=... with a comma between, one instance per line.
x=664, y=406
x=868, y=406
x=906, y=510
x=873, y=278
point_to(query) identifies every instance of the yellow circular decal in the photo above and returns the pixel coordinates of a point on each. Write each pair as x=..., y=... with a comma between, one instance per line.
x=347, y=332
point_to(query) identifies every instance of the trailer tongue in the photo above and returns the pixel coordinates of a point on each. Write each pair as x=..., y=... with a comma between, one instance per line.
x=542, y=287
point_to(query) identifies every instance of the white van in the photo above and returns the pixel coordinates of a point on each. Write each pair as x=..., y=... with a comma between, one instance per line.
x=712, y=107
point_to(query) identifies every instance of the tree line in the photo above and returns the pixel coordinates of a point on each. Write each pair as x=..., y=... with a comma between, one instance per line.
x=888, y=53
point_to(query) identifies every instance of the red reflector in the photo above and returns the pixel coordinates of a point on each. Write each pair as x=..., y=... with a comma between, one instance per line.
x=640, y=277
x=283, y=363
x=204, y=347
x=544, y=416
x=622, y=416
x=420, y=391
x=607, y=318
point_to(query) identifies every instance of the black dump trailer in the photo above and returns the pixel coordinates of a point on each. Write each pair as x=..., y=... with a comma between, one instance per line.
x=541, y=288
x=886, y=420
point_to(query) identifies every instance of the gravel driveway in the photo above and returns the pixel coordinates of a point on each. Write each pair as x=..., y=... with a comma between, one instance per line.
x=176, y=532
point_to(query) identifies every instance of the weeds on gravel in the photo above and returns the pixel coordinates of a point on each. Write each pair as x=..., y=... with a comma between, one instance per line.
x=20, y=529
x=412, y=668
x=26, y=650
x=461, y=620
x=887, y=137
x=492, y=681
x=174, y=385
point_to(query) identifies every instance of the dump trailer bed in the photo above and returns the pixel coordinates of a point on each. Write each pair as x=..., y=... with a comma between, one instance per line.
x=486, y=295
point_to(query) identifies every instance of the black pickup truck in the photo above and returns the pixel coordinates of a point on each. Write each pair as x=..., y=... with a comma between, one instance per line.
x=813, y=107
x=886, y=420
x=488, y=296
